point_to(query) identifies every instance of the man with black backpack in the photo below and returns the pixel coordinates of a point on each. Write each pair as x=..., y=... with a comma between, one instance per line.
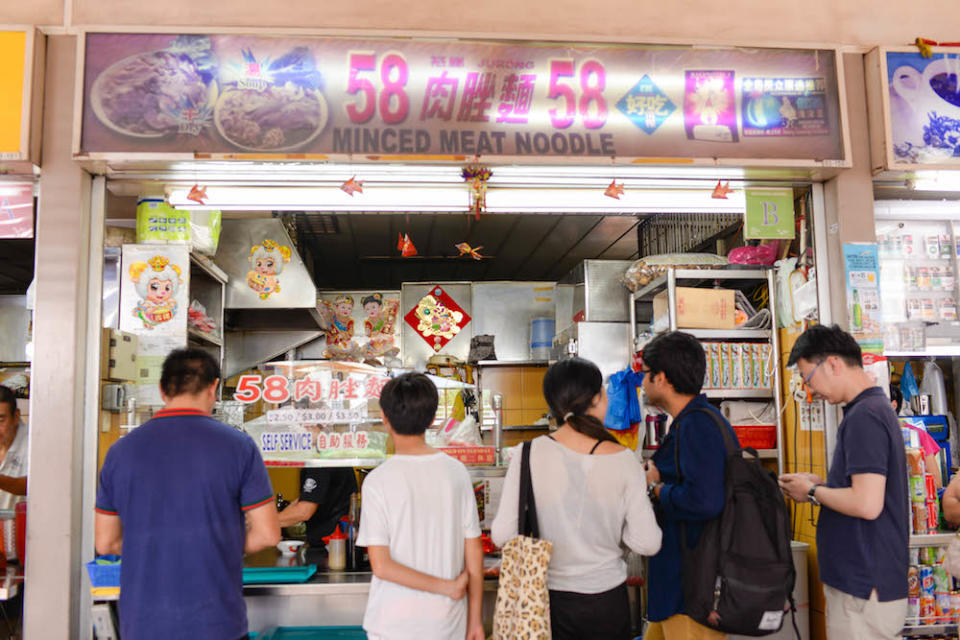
x=862, y=532
x=673, y=371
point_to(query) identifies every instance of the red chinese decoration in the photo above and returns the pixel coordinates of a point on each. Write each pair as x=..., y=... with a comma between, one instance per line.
x=467, y=250
x=197, y=194
x=437, y=318
x=614, y=190
x=721, y=190
x=352, y=186
x=405, y=246
x=477, y=177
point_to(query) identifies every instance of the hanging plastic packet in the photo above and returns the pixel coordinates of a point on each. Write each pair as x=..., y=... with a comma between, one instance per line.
x=908, y=383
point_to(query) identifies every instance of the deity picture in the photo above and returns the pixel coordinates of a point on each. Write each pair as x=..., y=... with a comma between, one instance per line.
x=340, y=344
x=380, y=316
x=267, y=260
x=156, y=281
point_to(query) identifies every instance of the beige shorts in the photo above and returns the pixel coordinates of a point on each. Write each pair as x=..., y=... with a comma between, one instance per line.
x=681, y=627
x=852, y=617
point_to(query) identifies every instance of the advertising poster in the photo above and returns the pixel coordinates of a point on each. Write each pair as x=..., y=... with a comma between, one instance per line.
x=865, y=320
x=769, y=214
x=924, y=98
x=154, y=290
x=229, y=95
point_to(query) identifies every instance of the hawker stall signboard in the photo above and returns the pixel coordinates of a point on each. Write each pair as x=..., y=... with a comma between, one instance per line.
x=315, y=410
x=237, y=95
x=19, y=113
x=919, y=100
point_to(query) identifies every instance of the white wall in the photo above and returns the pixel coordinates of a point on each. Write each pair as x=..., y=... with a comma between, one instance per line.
x=853, y=22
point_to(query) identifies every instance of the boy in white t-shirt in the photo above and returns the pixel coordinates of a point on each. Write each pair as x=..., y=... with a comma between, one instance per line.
x=420, y=526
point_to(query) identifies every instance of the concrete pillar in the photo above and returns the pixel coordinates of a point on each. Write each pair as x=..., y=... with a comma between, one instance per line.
x=57, y=401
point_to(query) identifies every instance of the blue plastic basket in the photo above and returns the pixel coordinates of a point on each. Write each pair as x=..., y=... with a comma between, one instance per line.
x=104, y=575
x=313, y=633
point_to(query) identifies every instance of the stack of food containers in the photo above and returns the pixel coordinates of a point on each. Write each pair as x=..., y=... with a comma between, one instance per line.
x=923, y=495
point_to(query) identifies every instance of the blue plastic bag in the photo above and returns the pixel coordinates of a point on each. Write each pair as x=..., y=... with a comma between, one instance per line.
x=908, y=383
x=624, y=405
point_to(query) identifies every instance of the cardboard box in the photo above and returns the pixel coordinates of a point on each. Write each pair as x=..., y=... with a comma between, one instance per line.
x=118, y=355
x=699, y=308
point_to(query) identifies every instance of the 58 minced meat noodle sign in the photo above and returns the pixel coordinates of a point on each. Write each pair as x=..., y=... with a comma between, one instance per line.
x=223, y=95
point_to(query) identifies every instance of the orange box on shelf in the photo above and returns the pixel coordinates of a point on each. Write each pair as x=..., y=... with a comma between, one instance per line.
x=757, y=437
x=471, y=455
x=699, y=308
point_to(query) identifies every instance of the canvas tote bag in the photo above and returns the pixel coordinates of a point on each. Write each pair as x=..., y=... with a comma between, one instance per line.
x=523, y=602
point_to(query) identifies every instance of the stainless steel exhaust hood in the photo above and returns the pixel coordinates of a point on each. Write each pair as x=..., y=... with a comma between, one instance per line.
x=271, y=300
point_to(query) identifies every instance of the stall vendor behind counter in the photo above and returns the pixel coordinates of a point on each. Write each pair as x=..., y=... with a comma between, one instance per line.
x=324, y=499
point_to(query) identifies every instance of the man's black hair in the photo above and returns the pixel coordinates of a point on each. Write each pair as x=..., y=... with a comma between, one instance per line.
x=188, y=371
x=9, y=398
x=680, y=357
x=896, y=396
x=409, y=402
x=820, y=341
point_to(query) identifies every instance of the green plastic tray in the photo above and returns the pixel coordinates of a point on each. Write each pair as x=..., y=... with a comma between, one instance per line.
x=313, y=633
x=274, y=575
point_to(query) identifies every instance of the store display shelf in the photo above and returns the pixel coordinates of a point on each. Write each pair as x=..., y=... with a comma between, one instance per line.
x=326, y=462
x=729, y=334
x=738, y=393
x=913, y=627
x=660, y=283
x=932, y=539
x=944, y=350
x=763, y=454
x=515, y=363
x=204, y=337
x=207, y=266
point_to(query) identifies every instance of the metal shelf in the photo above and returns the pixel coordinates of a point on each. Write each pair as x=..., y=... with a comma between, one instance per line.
x=660, y=283
x=944, y=351
x=738, y=393
x=515, y=363
x=932, y=539
x=202, y=336
x=729, y=334
x=208, y=267
x=326, y=462
x=913, y=627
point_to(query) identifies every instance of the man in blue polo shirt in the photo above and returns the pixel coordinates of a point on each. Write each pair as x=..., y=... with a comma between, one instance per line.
x=673, y=366
x=862, y=532
x=184, y=497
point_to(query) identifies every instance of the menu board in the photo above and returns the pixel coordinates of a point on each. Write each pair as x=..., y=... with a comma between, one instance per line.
x=224, y=95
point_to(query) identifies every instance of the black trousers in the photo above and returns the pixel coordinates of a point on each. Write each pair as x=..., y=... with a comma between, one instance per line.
x=590, y=616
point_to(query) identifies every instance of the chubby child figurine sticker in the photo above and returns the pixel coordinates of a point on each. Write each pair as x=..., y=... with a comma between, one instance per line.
x=340, y=343
x=266, y=261
x=156, y=282
x=380, y=316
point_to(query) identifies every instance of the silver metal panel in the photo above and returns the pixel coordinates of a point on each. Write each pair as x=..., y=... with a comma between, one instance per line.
x=605, y=297
x=505, y=309
x=15, y=320
x=603, y=343
x=564, y=296
x=238, y=237
x=111, y=287
x=246, y=349
x=416, y=351
x=597, y=290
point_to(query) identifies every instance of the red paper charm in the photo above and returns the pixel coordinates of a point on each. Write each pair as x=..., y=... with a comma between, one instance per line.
x=721, y=190
x=197, y=194
x=437, y=318
x=467, y=250
x=352, y=186
x=614, y=190
x=405, y=246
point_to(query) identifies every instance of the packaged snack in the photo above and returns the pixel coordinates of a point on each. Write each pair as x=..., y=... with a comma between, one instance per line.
x=929, y=310
x=707, y=380
x=927, y=586
x=736, y=365
x=944, y=607
x=765, y=359
x=715, y=365
x=758, y=365
x=914, y=309
x=930, y=486
x=918, y=493
x=933, y=246
x=907, y=245
x=933, y=516
x=941, y=581
x=919, y=519
x=947, y=309
x=915, y=462
x=928, y=609
x=946, y=245
x=913, y=610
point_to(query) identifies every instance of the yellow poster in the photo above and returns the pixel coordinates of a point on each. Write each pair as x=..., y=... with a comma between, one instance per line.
x=12, y=52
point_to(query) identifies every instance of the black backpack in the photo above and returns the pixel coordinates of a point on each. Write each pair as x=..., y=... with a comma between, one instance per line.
x=739, y=578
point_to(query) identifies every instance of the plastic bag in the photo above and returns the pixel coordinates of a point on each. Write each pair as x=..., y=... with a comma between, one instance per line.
x=462, y=433
x=644, y=271
x=908, y=383
x=761, y=254
x=624, y=405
